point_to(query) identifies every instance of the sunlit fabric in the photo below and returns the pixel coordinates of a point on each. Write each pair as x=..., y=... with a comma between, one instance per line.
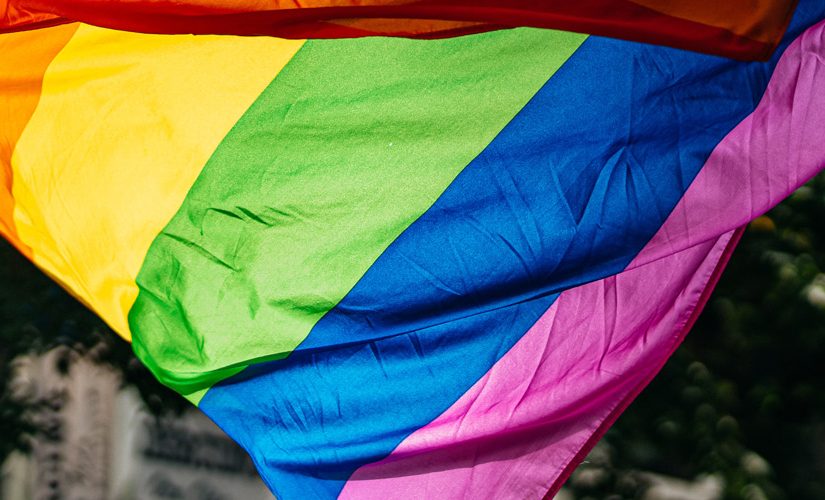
x=397, y=268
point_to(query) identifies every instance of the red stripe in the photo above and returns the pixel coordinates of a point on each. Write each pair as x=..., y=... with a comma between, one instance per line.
x=613, y=18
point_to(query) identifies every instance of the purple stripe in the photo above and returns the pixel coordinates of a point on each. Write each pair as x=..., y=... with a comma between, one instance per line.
x=518, y=430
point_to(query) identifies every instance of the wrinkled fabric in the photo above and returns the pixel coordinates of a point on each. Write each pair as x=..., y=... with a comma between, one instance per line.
x=599, y=344
x=392, y=267
x=497, y=273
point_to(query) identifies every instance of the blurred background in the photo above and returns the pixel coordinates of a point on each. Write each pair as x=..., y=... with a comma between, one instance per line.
x=737, y=413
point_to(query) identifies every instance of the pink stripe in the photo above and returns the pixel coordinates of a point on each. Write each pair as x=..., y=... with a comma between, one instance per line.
x=514, y=432
x=519, y=430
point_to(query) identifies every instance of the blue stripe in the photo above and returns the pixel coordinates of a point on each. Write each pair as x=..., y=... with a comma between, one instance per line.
x=569, y=192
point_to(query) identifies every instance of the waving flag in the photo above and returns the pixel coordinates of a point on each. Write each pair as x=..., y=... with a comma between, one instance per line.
x=396, y=268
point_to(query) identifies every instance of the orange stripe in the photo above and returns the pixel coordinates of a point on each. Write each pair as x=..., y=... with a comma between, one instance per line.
x=25, y=57
x=761, y=20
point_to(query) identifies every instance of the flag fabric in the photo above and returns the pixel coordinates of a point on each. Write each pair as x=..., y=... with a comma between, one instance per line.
x=395, y=268
x=737, y=28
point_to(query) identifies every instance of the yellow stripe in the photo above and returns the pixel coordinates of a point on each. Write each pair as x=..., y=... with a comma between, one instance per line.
x=124, y=126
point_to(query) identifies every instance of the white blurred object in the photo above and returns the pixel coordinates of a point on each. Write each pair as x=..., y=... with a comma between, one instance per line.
x=667, y=488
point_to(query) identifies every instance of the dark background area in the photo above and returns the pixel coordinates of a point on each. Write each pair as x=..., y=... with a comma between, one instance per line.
x=743, y=398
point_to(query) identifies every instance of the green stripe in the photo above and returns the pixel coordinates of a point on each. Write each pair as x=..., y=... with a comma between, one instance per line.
x=350, y=144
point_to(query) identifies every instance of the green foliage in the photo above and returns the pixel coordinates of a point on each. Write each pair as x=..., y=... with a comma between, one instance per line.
x=744, y=396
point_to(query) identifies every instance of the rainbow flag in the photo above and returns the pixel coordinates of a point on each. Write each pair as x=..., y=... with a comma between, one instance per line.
x=744, y=29
x=398, y=268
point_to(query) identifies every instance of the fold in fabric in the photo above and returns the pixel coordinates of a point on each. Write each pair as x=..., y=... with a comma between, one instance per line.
x=744, y=29
x=519, y=430
x=376, y=373
x=392, y=267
